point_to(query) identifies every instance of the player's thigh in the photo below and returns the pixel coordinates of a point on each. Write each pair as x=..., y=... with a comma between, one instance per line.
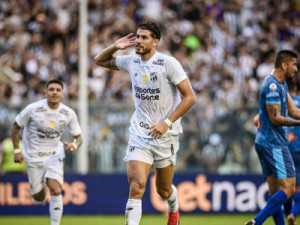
x=138, y=172
x=55, y=171
x=36, y=176
x=277, y=161
x=272, y=184
x=164, y=177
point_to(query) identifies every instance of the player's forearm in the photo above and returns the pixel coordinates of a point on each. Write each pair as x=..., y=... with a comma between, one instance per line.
x=294, y=113
x=77, y=140
x=105, y=55
x=15, y=135
x=284, y=121
x=186, y=103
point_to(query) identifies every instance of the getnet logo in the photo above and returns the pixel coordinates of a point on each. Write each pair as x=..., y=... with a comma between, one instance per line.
x=217, y=196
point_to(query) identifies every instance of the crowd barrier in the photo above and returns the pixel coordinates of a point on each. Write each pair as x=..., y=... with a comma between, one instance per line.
x=107, y=194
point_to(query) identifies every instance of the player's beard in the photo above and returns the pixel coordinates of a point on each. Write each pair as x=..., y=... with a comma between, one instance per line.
x=143, y=51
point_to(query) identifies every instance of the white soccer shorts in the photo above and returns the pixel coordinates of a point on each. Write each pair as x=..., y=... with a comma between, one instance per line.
x=159, y=152
x=39, y=171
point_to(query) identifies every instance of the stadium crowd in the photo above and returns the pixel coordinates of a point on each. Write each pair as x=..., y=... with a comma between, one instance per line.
x=226, y=47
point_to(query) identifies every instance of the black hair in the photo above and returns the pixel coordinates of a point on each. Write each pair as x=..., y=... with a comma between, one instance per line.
x=284, y=56
x=152, y=27
x=55, y=81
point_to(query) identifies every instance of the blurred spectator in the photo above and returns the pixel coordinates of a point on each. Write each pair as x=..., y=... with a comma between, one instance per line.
x=7, y=158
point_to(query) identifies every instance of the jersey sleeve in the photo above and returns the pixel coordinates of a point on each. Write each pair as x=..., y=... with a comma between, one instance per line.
x=175, y=71
x=23, y=118
x=122, y=62
x=272, y=94
x=74, y=124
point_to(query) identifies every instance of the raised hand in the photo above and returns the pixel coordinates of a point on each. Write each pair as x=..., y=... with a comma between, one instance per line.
x=125, y=42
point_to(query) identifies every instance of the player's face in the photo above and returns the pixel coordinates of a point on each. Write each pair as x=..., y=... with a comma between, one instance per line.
x=54, y=93
x=291, y=68
x=144, y=43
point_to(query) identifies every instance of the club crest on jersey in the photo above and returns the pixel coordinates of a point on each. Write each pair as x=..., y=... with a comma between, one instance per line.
x=153, y=76
x=62, y=124
x=273, y=86
x=51, y=124
x=144, y=79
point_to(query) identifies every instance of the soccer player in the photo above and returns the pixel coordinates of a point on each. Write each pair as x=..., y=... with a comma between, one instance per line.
x=162, y=94
x=43, y=123
x=292, y=210
x=271, y=142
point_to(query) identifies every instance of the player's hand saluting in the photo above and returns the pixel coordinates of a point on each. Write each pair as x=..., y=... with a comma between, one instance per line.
x=125, y=42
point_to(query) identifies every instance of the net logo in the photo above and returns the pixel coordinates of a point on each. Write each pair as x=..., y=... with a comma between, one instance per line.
x=218, y=196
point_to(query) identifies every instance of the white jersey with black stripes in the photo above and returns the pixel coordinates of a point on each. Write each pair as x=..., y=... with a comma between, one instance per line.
x=43, y=128
x=154, y=90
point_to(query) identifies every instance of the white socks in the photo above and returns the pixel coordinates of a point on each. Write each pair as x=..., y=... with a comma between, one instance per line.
x=56, y=209
x=172, y=201
x=133, y=212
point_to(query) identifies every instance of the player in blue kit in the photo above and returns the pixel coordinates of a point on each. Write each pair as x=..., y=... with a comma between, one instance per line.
x=292, y=210
x=271, y=142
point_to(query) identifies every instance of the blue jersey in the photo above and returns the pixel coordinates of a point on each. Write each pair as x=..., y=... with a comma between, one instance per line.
x=294, y=131
x=272, y=92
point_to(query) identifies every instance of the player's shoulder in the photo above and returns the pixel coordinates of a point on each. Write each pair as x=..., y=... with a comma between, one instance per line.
x=66, y=110
x=130, y=58
x=37, y=106
x=270, y=83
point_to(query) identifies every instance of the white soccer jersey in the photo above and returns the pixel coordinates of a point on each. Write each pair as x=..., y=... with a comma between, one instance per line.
x=43, y=128
x=154, y=90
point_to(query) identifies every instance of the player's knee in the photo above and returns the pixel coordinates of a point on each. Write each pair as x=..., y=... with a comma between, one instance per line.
x=40, y=196
x=55, y=190
x=164, y=192
x=137, y=188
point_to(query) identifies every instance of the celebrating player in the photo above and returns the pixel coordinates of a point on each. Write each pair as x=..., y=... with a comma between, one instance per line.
x=162, y=94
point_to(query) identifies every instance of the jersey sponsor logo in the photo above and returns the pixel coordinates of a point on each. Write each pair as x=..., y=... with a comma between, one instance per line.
x=146, y=90
x=273, y=86
x=49, y=134
x=159, y=62
x=272, y=94
x=40, y=109
x=136, y=61
x=144, y=79
x=42, y=154
x=64, y=112
x=153, y=76
x=51, y=124
x=147, y=93
x=145, y=125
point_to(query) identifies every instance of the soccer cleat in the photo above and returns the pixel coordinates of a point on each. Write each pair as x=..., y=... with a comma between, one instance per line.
x=173, y=218
x=291, y=219
x=252, y=222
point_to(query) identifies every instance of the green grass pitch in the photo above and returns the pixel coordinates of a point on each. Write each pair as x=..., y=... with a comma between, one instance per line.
x=229, y=219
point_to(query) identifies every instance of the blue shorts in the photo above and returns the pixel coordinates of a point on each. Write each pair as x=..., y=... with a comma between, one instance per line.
x=277, y=161
x=296, y=159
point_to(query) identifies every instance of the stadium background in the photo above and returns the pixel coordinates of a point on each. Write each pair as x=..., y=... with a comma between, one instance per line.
x=226, y=47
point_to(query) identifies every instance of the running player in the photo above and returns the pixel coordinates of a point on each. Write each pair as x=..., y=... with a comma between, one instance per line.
x=271, y=142
x=158, y=81
x=43, y=123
